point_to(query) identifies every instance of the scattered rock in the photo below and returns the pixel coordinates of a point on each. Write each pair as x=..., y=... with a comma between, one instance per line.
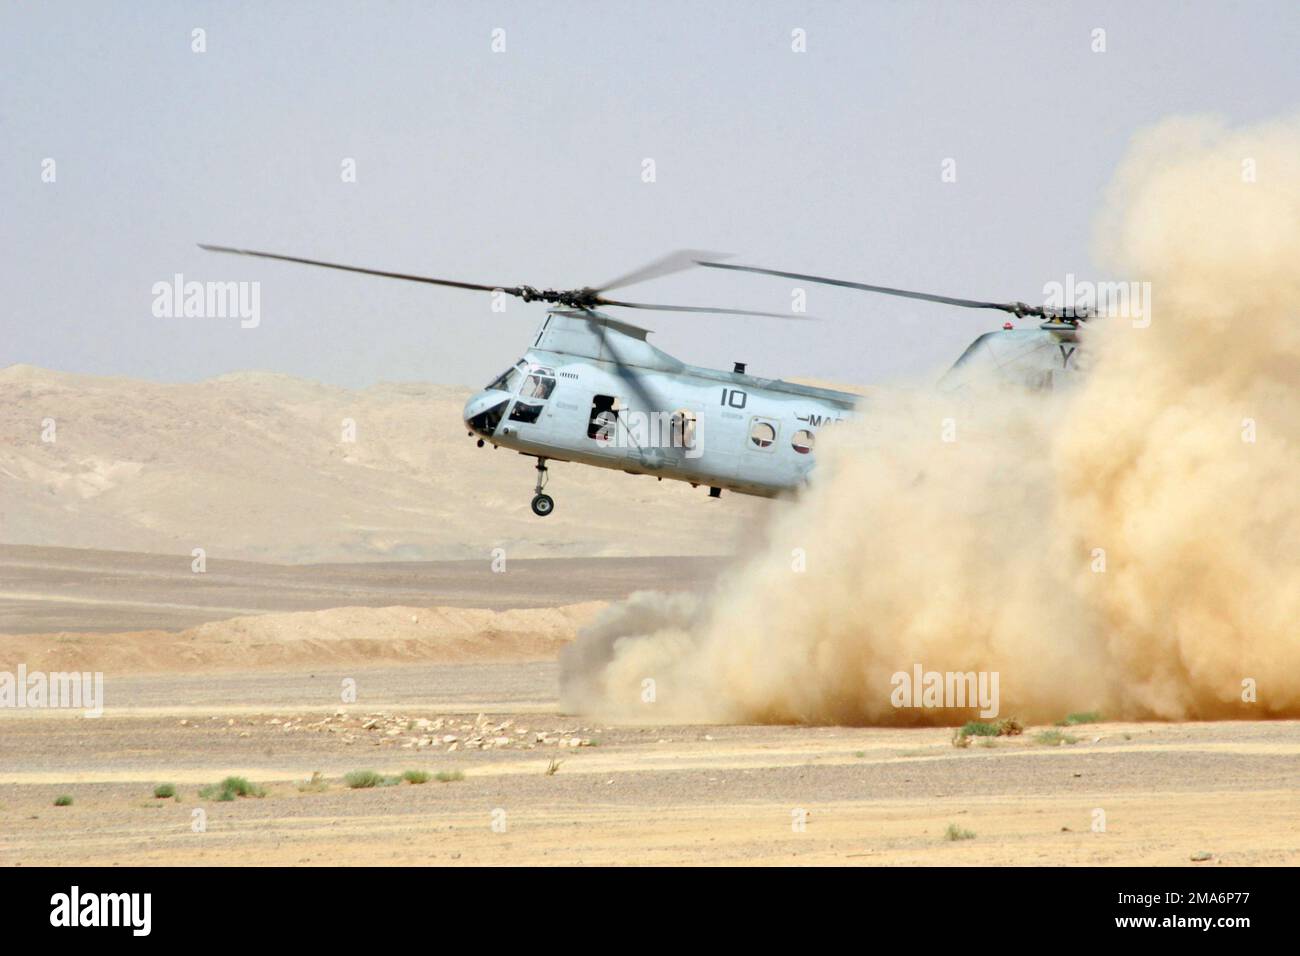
x=411, y=732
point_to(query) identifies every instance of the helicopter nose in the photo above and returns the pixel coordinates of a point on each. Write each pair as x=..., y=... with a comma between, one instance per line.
x=476, y=404
x=471, y=406
x=482, y=413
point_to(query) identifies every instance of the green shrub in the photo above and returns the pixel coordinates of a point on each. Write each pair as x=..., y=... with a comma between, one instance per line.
x=230, y=788
x=363, y=779
x=164, y=791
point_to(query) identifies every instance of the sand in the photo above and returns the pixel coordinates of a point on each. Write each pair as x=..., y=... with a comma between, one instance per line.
x=263, y=696
x=645, y=794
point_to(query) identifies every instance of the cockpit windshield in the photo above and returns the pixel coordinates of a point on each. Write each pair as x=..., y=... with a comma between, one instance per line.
x=508, y=380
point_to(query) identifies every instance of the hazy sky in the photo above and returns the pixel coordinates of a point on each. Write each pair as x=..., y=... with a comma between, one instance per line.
x=525, y=166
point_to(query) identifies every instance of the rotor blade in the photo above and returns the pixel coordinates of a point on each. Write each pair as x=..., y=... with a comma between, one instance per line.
x=372, y=272
x=1015, y=308
x=622, y=370
x=667, y=265
x=695, y=308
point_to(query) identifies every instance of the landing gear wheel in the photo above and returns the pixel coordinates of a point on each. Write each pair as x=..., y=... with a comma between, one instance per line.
x=542, y=504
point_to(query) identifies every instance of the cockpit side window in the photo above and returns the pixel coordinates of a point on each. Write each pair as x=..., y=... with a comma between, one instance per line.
x=526, y=412
x=508, y=380
x=538, y=386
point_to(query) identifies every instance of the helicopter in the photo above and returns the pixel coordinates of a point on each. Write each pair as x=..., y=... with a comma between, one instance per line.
x=590, y=389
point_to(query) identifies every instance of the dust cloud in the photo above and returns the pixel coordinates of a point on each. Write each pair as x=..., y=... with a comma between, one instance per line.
x=1128, y=545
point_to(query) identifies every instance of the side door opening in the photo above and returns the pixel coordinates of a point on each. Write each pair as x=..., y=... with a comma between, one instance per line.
x=603, y=419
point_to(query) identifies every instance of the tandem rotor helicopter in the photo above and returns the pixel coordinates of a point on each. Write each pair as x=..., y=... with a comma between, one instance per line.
x=590, y=389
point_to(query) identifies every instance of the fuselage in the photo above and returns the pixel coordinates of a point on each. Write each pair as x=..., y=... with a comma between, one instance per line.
x=592, y=390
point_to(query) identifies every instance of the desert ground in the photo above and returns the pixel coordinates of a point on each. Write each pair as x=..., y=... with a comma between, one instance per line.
x=399, y=560
x=455, y=674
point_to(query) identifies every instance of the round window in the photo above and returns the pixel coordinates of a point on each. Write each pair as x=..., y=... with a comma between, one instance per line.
x=762, y=434
x=803, y=441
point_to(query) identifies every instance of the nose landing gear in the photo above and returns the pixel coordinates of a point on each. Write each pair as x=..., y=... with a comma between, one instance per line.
x=542, y=504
